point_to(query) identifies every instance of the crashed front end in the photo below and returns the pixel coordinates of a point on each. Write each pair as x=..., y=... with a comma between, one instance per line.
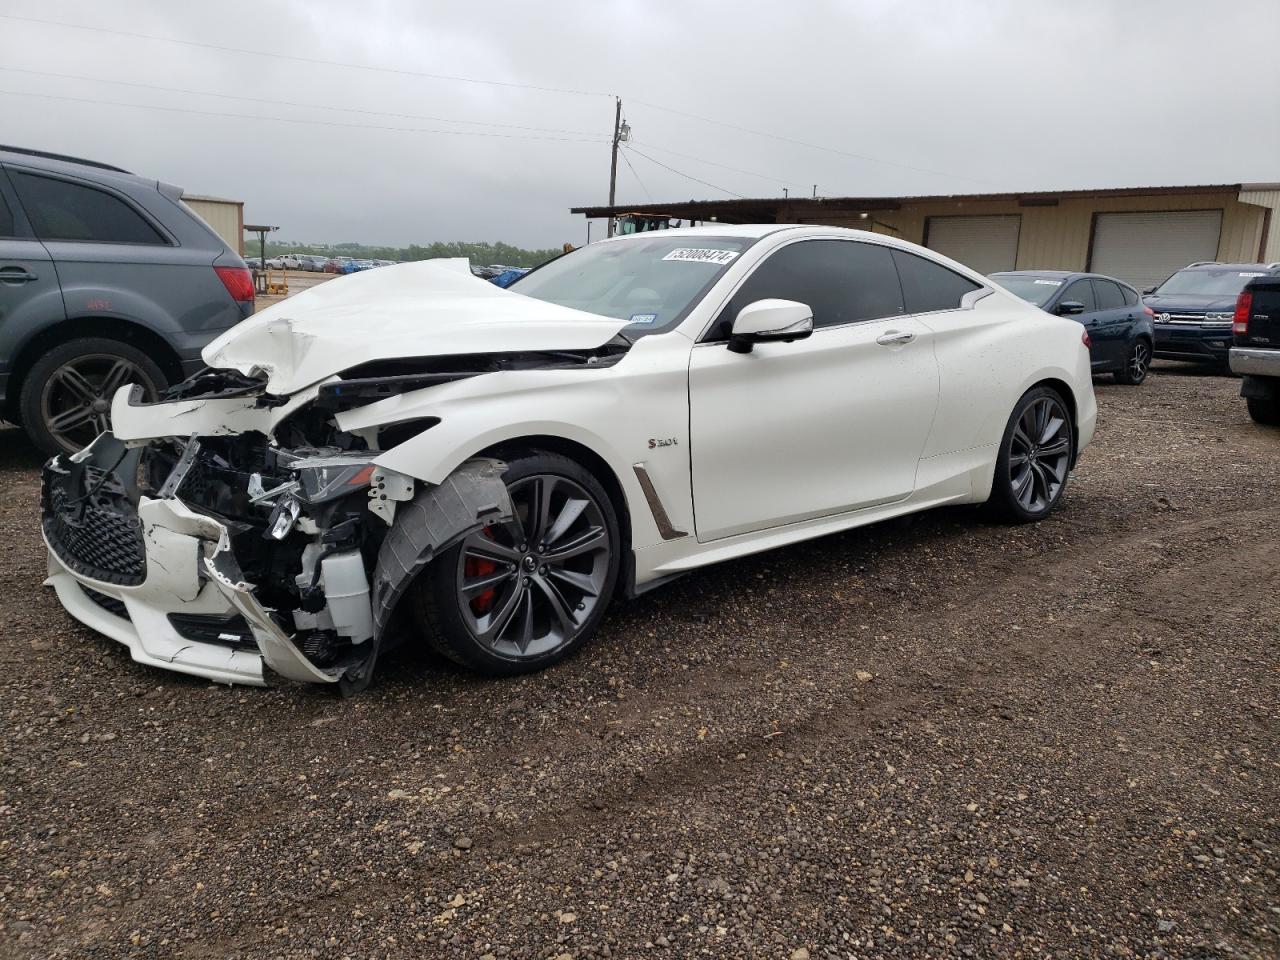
x=260, y=538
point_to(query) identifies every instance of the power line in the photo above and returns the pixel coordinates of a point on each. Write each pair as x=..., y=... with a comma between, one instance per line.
x=495, y=83
x=805, y=143
x=722, y=166
x=298, y=59
x=683, y=174
x=322, y=123
x=627, y=160
x=291, y=103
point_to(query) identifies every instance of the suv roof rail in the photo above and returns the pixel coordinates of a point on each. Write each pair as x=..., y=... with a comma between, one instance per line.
x=47, y=155
x=1204, y=263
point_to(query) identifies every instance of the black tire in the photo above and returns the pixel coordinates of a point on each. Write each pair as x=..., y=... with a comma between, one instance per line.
x=81, y=375
x=454, y=625
x=1266, y=412
x=1037, y=451
x=1137, y=364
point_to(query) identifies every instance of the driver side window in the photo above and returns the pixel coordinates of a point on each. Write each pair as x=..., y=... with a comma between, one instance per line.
x=842, y=281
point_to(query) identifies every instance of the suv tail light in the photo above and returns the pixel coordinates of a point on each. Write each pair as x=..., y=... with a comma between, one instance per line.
x=1240, y=320
x=238, y=281
x=1084, y=338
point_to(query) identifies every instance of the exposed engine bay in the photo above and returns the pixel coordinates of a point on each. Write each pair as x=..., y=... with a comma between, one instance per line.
x=288, y=542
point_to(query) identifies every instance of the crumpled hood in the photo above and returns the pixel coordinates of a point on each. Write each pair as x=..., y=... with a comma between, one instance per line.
x=428, y=308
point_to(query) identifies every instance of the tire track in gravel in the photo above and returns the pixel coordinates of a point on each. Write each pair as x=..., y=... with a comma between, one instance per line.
x=847, y=712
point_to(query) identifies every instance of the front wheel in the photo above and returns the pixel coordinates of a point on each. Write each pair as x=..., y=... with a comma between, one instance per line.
x=1035, y=457
x=518, y=596
x=1136, y=364
x=1266, y=412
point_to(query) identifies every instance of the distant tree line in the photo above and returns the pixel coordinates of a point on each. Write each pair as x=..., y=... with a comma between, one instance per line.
x=480, y=254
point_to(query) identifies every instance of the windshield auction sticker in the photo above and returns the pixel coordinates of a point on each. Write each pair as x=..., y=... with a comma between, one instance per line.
x=1050, y=283
x=701, y=255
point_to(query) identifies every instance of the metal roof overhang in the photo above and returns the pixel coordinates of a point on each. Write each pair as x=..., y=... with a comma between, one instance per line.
x=767, y=210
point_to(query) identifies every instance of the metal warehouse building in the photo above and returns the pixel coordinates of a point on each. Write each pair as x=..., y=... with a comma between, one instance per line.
x=1139, y=234
x=226, y=217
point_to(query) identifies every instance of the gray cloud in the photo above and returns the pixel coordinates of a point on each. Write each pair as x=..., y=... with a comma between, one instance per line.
x=998, y=95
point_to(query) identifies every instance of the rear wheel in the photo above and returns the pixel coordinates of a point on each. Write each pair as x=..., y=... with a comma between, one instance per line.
x=66, y=396
x=1136, y=364
x=1035, y=457
x=1264, y=411
x=519, y=596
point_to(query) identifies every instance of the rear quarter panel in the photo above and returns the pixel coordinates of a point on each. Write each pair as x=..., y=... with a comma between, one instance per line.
x=989, y=357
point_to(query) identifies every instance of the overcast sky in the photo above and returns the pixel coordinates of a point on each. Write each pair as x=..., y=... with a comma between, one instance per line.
x=944, y=97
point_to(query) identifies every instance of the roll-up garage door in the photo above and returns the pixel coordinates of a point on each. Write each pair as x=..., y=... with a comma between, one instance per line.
x=1144, y=248
x=985, y=244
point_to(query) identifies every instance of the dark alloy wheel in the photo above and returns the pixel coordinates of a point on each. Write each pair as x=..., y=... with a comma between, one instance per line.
x=66, y=397
x=1035, y=457
x=1136, y=365
x=519, y=595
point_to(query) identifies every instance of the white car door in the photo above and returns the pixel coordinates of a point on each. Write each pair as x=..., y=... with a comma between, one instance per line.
x=819, y=426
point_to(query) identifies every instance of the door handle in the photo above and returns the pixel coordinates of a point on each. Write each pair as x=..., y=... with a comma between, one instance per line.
x=892, y=337
x=16, y=275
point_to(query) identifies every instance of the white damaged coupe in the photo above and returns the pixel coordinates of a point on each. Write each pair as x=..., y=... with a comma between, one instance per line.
x=415, y=453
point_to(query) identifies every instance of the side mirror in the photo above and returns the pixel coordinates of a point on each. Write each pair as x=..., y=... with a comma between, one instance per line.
x=768, y=321
x=1069, y=308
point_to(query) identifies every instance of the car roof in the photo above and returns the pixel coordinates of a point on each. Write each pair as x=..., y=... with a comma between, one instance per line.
x=1063, y=275
x=1261, y=267
x=72, y=166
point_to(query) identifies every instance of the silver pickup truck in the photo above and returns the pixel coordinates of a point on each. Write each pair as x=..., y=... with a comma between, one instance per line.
x=1255, y=355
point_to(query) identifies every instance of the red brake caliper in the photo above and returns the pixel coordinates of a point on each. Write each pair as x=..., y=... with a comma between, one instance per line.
x=481, y=567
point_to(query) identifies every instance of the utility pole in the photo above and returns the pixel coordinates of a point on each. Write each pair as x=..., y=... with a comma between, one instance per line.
x=613, y=163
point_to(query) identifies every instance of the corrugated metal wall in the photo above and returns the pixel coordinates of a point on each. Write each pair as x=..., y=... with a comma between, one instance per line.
x=226, y=217
x=1057, y=237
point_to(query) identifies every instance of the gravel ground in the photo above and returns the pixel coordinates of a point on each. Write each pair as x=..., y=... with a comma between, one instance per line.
x=933, y=737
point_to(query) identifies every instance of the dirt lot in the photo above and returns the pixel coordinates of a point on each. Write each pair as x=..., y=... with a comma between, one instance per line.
x=939, y=737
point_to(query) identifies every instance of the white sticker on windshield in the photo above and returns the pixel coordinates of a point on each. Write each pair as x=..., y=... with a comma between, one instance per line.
x=1050, y=283
x=643, y=318
x=1253, y=274
x=701, y=255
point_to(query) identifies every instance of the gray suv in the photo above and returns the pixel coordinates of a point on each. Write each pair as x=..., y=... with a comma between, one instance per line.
x=106, y=278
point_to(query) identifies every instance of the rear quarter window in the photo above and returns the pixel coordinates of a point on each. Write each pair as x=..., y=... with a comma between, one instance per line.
x=929, y=286
x=62, y=210
x=7, y=228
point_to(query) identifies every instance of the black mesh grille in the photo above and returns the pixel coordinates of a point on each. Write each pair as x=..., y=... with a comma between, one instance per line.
x=91, y=524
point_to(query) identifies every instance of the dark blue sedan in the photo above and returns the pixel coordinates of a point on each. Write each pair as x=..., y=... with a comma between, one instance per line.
x=1119, y=326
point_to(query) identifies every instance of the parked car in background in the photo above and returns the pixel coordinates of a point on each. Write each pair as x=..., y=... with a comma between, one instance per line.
x=336, y=265
x=253, y=263
x=645, y=405
x=106, y=278
x=1119, y=326
x=1194, y=309
x=275, y=263
x=1255, y=355
x=314, y=263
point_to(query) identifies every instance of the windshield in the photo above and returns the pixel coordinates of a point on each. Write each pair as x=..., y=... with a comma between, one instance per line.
x=1208, y=283
x=652, y=281
x=1037, y=290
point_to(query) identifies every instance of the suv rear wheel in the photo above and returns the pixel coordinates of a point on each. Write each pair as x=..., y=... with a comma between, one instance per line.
x=66, y=396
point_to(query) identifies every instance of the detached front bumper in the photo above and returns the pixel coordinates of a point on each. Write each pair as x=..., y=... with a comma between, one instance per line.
x=162, y=609
x=159, y=578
